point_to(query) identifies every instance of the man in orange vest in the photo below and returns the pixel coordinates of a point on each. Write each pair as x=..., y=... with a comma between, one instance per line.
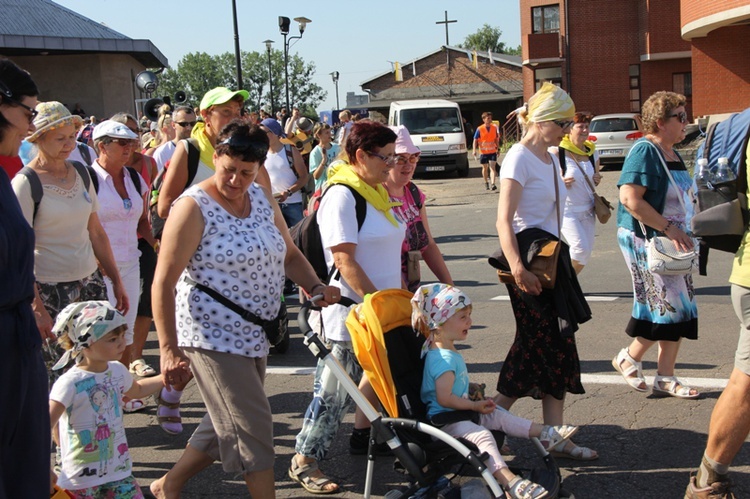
x=487, y=141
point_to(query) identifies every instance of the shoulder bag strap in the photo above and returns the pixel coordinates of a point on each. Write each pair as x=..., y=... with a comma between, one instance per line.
x=557, y=198
x=241, y=311
x=671, y=181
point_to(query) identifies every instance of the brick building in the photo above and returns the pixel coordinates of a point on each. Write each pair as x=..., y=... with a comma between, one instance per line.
x=492, y=84
x=612, y=54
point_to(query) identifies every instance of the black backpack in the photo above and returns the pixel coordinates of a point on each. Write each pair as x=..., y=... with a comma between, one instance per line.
x=157, y=222
x=306, y=236
x=87, y=173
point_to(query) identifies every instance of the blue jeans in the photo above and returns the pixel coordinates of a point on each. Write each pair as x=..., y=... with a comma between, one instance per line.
x=329, y=404
x=292, y=213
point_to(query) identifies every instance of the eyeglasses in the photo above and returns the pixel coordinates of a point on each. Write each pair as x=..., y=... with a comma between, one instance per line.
x=14, y=101
x=682, y=116
x=403, y=160
x=185, y=124
x=388, y=160
x=32, y=112
x=563, y=124
x=240, y=143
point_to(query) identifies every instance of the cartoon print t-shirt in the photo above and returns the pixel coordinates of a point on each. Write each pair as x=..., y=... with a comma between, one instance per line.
x=92, y=434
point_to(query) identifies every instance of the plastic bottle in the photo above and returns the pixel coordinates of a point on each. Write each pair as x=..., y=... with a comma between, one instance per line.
x=704, y=175
x=724, y=172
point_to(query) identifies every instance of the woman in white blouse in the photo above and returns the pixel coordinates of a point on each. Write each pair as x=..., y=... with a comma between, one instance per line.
x=122, y=211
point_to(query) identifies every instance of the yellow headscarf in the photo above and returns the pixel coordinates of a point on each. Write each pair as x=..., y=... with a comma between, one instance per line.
x=550, y=103
x=377, y=196
x=588, y=146
x=204, y=145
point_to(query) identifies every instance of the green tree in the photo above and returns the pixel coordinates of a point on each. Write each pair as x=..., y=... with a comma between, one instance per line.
x=488, y=38
x=199, y=72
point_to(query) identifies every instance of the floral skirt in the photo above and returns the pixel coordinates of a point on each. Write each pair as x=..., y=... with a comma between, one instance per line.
x=664, y=307
x=540, y=362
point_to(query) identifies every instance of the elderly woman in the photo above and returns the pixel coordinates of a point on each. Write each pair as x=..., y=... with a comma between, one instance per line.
x=70, y=239
x=664, y=308
x=226, y=248
x=543, y=361
x=581, y=167
x=122, y=212
x=418, y=243
x=24, y=419
x=367, y=254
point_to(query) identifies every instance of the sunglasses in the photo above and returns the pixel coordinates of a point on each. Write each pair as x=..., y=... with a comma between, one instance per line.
x=122, y=142
x=239, y=143
x=185, y=124
x=403, y=160
x=388, y=160
x=682, y=116
x=563, y=124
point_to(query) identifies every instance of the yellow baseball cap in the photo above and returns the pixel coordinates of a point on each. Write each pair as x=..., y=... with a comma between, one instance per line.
x=221, y=95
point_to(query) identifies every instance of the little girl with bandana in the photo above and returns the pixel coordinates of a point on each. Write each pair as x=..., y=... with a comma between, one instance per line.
x=444, y=313
x=87, y=401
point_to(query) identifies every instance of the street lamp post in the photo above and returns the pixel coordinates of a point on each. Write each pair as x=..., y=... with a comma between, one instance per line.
x=284, y=28
x=237, y=58
x=335, y=77
x=270, y=75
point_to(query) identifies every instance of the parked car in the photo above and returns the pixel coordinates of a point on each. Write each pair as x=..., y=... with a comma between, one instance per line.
x=614, y=135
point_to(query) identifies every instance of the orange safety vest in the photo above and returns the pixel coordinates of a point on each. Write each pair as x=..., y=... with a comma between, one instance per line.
x=487, y=142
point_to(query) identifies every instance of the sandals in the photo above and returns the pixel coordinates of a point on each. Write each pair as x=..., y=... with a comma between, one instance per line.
x=673, y=388
x=521, y=488
x=552, y=436
x=141, y=369
x=575, y=453
x=314, y=485
x=637, y=382
x=133, y=405
x=162, y=419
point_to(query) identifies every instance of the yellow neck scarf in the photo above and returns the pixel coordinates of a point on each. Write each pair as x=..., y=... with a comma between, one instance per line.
x=204, y=145
x=570, y=146
x=376, y=196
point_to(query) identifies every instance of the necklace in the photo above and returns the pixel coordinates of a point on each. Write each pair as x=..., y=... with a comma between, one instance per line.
x=669, y=154
x=63, y=179
x=245, y=198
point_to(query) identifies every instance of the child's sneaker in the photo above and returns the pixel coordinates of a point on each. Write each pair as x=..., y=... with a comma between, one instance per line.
x=555, y=435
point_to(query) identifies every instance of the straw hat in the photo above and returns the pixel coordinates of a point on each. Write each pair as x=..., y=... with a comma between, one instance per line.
x=52, y=115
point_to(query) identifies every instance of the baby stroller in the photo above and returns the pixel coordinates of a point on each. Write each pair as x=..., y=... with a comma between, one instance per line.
x=389, y=350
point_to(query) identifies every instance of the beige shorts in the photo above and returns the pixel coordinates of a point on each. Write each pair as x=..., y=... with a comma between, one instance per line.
x=741, y=303
x=237, y=429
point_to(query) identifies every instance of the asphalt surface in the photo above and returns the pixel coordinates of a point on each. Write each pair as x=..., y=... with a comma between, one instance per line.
x=647, y=445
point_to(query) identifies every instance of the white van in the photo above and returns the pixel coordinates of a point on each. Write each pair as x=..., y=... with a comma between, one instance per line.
x=437, y=129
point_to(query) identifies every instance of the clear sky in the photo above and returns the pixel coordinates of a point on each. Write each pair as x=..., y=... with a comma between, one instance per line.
x=356, y=38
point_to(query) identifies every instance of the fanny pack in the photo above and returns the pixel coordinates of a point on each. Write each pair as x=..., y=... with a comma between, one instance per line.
x=272, y=328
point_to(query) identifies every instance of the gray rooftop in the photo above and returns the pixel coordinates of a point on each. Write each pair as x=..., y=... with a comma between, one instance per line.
x=30, y=27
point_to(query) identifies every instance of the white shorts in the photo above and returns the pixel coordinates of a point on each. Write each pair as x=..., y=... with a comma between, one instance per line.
x=578, y=230
x=130, y=274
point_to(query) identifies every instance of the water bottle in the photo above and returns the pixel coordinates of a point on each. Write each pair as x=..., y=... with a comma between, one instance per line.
x=704, y=175
x=723, y=172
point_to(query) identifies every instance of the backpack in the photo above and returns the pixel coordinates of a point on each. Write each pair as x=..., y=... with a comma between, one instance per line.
x=87, y=173
x=85, y=153
x=716, y=206
x=306, y=235
x=157, y=222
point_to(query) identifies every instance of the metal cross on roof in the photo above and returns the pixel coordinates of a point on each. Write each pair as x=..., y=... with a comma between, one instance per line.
x=446, y=22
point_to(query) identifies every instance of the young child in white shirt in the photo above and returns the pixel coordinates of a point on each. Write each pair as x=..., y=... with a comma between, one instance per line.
x=87, y=401
x=444, y=312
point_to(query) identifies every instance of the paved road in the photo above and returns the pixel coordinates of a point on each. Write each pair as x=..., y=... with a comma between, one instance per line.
x=647, y=445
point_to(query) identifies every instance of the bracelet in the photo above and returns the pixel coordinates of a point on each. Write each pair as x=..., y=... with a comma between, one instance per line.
x=312, y=293
x=669, y=224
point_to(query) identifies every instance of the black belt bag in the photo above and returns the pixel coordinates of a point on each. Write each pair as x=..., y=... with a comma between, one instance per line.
x=272, y=328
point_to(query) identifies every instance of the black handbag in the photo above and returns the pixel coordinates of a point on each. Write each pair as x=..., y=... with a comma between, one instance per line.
x=272, y=327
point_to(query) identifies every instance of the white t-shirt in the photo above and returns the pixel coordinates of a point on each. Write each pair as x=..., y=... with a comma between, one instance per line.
x=378, y=250
x=163, y=154
x=63, y=250
x=120, y=222
x=281, y=174
x=92, y=433
x=536, y=207
x=580, y=198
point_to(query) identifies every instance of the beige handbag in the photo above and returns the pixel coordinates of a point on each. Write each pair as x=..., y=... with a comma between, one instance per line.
x=602, y=207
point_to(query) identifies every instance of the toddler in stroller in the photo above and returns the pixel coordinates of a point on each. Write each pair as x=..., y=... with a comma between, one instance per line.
x=443, y=314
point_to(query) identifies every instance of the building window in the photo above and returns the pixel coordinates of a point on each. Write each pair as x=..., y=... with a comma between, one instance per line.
x=682, y=83
x=634, y=74
x=545, y=19
x=552, y=75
